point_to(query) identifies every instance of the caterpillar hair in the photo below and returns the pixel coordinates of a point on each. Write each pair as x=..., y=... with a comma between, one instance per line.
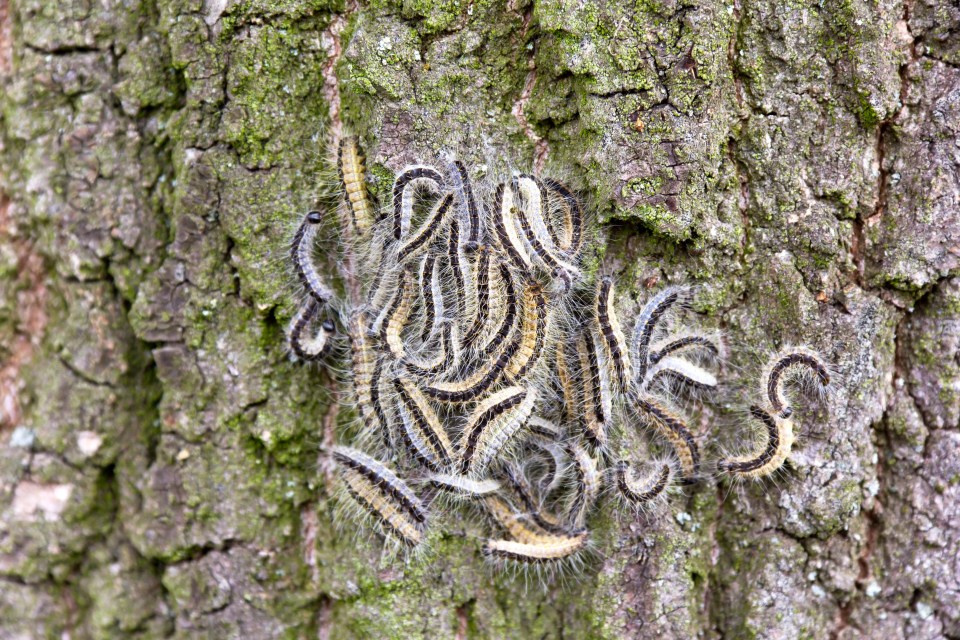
x=301, y=254
x=350, y=165
x=771, y=454
x=383, y=494
x=310, y=347
x=403, y=189
x=492, y=424
x=785, y=367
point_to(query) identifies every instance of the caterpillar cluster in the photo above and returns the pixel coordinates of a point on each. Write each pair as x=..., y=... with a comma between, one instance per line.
x=487, y=368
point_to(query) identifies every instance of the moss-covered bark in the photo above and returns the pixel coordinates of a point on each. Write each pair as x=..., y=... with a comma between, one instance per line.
x=158, y=449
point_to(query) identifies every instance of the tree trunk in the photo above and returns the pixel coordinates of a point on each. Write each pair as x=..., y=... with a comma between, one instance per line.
x=159, y=472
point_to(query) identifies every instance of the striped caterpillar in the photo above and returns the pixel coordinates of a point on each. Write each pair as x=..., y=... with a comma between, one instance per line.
x=489, y=363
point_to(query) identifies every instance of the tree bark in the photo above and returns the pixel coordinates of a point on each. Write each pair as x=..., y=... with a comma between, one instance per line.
x=159, y=471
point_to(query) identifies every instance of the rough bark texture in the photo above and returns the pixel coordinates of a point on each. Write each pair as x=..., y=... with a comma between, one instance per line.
x=159, y=450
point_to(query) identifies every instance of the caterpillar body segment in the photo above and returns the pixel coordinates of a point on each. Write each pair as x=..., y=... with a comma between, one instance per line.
x=442, y=361
x=491, y=425
x=403, y=195
x=505, y=228
x=301, y=254
x=594, y=414
x=543, y=549
x=307, y=346
x=533, y=331
x=510, y=306
x=350, y=166
x=571, y=214
x=772, y=452
x=469, y=212
x=481, y=302
x=587, y=483
x=464, y=486
x=679, y=369
x=482, y=379
x=646, y=326
x=432, y=308
x=382, y=494
x=418, y=242
x=567, y=380
x=544, y=428
x=422, y=431
x=669, y=424
x=683, y=344
x=532, y=506
x=398, y=316
x=364, y=369
x=455, y=268
x=787, y=366
x=643, y=491
x=614, y=343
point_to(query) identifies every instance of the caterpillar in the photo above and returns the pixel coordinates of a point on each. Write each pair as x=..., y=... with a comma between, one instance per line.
x=314, y=347
x=614, y=343
x=403, y=189
x=301, y=249
x=787, y=363
x=382, y=493
x=491, y=425
x=422, y=431
x=771, y=454
x=350, y=166
x=642, y=491
x=676, y=432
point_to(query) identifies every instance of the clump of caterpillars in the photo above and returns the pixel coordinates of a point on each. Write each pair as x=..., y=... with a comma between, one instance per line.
x=491, y=376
